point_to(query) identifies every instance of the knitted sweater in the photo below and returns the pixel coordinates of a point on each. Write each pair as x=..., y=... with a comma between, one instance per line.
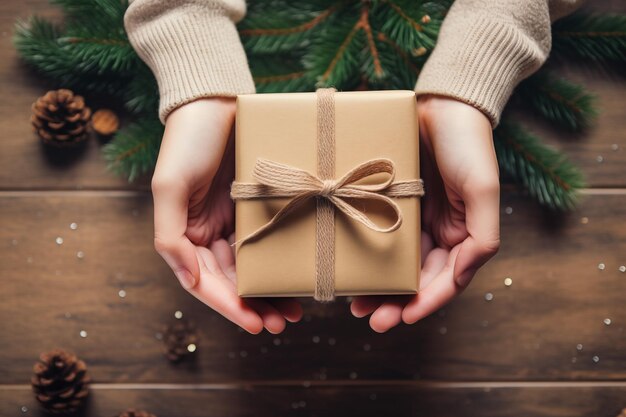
x=485, y=48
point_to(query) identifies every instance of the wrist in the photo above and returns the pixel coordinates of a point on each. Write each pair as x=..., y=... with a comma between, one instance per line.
x=433, y=107
x=197, y=111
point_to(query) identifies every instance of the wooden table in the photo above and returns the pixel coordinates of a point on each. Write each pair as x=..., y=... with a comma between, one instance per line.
x=515, y=355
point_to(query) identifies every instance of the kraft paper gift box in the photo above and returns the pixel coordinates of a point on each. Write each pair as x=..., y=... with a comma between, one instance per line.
x=281, y=136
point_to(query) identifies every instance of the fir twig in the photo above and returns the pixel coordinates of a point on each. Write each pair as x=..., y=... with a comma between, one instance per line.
x=280, y=73
x=590, y=37
x=411, y=25
x=134, y=150
x=42, y=45
x=285, y=26
x=544, y=172
x=142, y=92
x=335, y=58
x=558, y=101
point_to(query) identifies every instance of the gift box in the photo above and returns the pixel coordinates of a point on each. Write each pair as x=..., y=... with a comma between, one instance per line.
x=327, y=194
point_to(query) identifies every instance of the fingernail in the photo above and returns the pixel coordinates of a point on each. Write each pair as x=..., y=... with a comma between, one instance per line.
x=464, y=279
x=185, y=278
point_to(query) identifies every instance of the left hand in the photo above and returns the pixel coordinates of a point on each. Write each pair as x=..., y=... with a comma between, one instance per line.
x=460, y=211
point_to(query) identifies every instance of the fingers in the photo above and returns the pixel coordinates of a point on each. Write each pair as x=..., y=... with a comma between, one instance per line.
x=272, y=312
x=387, y=311
x=170, y=224
x=289, y=308
x=482, y=206
x=218, y=292
x=225, y=257
x=361, y=306
x=273, y=320
x=389, y=314
x=435, y=262
x=439, y=292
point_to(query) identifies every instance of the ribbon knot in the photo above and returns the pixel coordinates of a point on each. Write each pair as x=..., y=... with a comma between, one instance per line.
x=328, y=188
x=279, y=180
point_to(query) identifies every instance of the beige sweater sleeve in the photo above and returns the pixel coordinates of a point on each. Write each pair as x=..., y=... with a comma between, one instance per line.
x=485, y=48
x=192, y=47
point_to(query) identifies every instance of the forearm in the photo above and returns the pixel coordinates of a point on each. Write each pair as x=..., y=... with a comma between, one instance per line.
x=485, y=48
x=192, y=47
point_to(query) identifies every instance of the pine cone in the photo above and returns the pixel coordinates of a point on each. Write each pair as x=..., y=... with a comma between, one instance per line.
x=131, y=412
x=61, y=118
x=180, y=339
x=60, y=382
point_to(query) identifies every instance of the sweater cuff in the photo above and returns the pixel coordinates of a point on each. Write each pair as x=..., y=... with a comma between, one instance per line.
x=192, y=55
x=481, y=65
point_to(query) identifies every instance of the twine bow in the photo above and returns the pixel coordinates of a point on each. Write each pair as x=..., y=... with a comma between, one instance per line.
x=277, y=180
x=280, y=180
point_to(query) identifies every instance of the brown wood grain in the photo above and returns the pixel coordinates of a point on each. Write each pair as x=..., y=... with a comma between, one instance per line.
x=529, y=331
x=344, y=400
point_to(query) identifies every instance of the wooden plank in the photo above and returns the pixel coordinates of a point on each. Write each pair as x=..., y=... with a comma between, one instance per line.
x=530, y=401
x=27, y=166
x=529, y=331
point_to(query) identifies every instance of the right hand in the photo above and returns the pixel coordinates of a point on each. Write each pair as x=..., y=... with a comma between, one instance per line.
x=194, y=220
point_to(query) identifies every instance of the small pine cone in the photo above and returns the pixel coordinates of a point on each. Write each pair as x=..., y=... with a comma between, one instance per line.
x=61, y=118
x=60, y=382
x=180, y=339
x=131, y=412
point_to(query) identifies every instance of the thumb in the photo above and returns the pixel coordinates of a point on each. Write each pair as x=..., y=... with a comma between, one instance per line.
x=170, y=224
x=482, y=218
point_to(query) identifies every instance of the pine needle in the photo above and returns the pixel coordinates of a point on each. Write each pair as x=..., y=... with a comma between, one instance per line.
x=134, y=150
x=590, y=37
x=544, y=172
x=559, y=101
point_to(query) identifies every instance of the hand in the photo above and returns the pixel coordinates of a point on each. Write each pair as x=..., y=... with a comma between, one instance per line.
x=194, y=215
x=460, y=211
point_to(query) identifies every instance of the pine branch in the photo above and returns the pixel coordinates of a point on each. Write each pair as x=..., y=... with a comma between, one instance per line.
x=142, y=92
x=411, y=25
x=335, y=58
x=37, y=42
x=280, y=73
x=558, y=101
x=590, y=37
x=134, y=150
x=109, y=12
x=283, y=27
x=544, y=172
x=403, y=68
